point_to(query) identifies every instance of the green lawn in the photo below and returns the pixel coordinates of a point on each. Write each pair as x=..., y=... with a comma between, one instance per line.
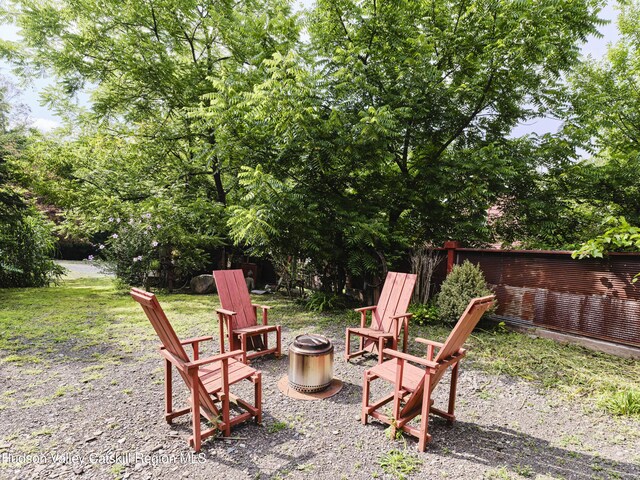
x=89, y=320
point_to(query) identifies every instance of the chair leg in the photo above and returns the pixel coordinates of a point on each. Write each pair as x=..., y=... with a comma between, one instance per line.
x=381, y=342
x=278, y=341
x=168, y=391
x=257, y=380
x=347, y=346
x=226, y=414
x=365, y=397
x=452, y=392
x=424, y=437
x=405, y=338
x=196, y=440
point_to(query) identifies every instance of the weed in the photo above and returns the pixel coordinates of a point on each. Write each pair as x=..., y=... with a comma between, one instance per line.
x=92, y=377
x=277, y=427
x=117, y=469
x=62, y=391
x=626, y=402
x=524, y=470
x=572, y=440
x=497, y=474
x=398, y=463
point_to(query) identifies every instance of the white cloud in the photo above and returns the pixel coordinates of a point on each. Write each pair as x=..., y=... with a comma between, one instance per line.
x=45, y=124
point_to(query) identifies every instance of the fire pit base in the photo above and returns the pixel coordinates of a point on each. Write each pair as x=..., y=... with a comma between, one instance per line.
x=334, y=387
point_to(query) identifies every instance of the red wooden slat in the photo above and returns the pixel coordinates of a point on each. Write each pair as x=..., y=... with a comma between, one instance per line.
x=392, y=302
x=379, y=313
x=243, y=300
x=214, y=383
x=411, y=374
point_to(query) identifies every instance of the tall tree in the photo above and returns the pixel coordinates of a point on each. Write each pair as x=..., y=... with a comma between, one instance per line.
x=143, y=65
x=397, y=130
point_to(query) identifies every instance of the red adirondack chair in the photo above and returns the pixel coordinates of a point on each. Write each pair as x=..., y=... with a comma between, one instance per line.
x=238, y=317
x=385, y=317
x=413, y=385
x=207, y=379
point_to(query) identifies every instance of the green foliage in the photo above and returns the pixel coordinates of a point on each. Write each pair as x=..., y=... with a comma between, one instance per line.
x=27, y=243
x=138, y=148
x=620, y=237
x=399, y=463
x=465, y=282
x=424, y=314
x=325, y=301
x=625, y=402
x=391, y=125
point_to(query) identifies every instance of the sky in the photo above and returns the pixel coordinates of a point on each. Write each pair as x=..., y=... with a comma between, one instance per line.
x=45, y=120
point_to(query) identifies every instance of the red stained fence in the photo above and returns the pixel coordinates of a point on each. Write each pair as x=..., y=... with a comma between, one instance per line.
x=590, y=297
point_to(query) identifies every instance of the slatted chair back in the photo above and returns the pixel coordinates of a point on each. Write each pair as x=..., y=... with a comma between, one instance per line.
x=394, y=300
x=454, y=342
x=170, y=341
x=234, y=296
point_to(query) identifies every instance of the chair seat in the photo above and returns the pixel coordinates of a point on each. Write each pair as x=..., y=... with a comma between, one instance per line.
x=370, y=332
x=255, y=329
x=211, y=375
x=411, y=375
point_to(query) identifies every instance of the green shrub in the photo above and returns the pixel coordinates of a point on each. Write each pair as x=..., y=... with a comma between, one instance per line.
x=26, y=248
x=424, y=314
x=324, y=302
x=465, y=282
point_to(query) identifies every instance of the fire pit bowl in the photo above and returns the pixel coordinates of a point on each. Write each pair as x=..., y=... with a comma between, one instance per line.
x=310, y=363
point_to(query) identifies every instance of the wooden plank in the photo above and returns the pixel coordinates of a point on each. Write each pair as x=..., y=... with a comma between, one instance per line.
x=389, y=310
x=243, y=300
x=380, y=312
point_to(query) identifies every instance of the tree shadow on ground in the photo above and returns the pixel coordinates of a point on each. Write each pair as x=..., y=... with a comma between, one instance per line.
x=497, y=447
x=244, y=458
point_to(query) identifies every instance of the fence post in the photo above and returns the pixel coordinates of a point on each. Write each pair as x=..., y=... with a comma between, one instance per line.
x=450, y=246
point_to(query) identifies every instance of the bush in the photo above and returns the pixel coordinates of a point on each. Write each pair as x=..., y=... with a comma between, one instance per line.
x=424, y=314
x=324, y=302
x=26, y=249
x=465, y=282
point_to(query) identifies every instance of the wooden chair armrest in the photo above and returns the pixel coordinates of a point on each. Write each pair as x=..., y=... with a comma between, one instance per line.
x=410, y=358
x=190, y=341
x=407, y=315
x=214, y=358
x=429, y=342
x=263, y=307
x=225, y=312
x=364, y=309
x=265, y=311
x=178, y=363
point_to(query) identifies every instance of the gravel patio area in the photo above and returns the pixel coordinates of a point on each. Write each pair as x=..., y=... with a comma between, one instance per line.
x=112, y=427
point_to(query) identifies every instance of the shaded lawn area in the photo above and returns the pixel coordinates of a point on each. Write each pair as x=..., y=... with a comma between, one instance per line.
x=91, y=321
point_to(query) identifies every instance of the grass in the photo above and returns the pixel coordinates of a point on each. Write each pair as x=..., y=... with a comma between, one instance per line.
x=90, y=320
x=276, y=427
x=603, y=381
x=398, y=463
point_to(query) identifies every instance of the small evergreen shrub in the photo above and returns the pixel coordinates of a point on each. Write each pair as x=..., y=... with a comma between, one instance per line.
x=465, y=282
x=424, y=314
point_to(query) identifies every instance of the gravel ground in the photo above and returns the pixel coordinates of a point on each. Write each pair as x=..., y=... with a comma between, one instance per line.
x=114, y=427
